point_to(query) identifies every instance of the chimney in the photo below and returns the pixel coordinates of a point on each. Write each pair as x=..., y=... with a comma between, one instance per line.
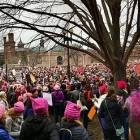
x=4, y=40
x=11, y=37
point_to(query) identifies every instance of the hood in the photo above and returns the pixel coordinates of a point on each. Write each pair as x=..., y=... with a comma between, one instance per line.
x=111, y=103
x=34, y=124
x=69, y=125
x=120, y=92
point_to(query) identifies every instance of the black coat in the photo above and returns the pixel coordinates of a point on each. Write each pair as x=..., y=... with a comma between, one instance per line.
x=78, y=132
x=39, y=128
x=115, y=109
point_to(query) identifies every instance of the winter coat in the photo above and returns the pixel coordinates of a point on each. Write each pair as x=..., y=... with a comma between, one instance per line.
x=99, y=100
x=78, y=132
x=4, y=134
x=57, y=96
x=75, y=97
x=122, y=94
x=115, y=110
x=13, y=127
x=39, y=128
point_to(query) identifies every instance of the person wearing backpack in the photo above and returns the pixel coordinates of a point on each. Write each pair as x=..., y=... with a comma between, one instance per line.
x=39, y=126
x=122, y=95
x=70, y=127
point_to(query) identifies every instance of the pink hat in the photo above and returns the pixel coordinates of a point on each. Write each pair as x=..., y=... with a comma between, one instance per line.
x=19, y=107
x=102, y=89
x=5, y=83
x=56, y=87
x=2, y=109
x=72, y=111
x=23, y=89
x=45, y=88
x=121, y=84
x=20, y=98
x=3, y=87
x=40, y=105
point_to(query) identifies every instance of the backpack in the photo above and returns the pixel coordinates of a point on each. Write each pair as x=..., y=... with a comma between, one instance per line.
x=66, y=133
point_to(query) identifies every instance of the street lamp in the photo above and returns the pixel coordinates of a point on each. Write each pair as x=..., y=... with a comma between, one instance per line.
x=6, y=64
x=68, y=38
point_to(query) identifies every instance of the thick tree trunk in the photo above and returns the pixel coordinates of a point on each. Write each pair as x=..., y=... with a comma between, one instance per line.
x=119, y=72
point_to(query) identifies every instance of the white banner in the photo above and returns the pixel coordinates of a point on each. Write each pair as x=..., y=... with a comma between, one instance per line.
x=48, y=97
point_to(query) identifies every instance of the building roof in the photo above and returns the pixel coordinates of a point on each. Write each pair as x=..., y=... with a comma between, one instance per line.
x=20, y=41
x=38, y=49
x=58, y=48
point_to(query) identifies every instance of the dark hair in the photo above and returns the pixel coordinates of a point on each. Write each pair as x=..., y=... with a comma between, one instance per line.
x=28, y=103
x=111, y=92
x=34, y=90
x=87, y=87
x=78, y=86
x=63, y=86
x=72, y=87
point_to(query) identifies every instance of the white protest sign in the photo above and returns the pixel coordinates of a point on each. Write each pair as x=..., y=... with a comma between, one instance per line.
x=48, y=97
x=18, y=76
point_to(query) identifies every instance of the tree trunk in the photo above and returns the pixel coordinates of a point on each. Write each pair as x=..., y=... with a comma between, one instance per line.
x=119, y=72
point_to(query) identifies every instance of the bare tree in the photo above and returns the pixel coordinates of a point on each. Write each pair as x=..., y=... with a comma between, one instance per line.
x=105, y=26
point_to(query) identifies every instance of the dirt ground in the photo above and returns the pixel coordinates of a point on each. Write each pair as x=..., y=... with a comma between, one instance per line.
x=96, y=129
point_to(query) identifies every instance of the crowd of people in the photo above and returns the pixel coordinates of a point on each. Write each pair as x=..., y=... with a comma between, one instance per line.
x=25, y=113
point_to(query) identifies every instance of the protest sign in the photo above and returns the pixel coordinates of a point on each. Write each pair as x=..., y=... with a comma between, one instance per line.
x=48, y=97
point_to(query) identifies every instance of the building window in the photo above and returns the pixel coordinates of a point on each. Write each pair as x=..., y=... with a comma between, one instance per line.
x=59, y=60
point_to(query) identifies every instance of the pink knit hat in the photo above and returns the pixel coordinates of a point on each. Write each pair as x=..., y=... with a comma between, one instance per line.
x=40, y=105
x=19, y=107
x=72, y=111
x=121, y=84
x=102, y=89
x=2, y=109
x=56, y=87
x=20, y=98
x=23, y=89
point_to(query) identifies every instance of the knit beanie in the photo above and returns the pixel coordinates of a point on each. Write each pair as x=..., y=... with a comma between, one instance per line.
x=72, y=111
x=121, y=84
x=102, y=89
x=39, y=105
x=19, y=107
x=2, y=109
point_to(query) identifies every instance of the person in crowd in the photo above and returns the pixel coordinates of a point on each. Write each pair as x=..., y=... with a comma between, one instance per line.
x=39, y=89
x=75, y=94
x=97, y=102
x=58, y=101
x=65, y=91
x=3, y=99
x=122, y=95
x=3, y=132
x=28, y=109
x=133, y=103
x=111, y=110
x=71, y=121
x=18, y=92
x=39, y=126
x=34, y=93
x=87, y=92
x=72, y=88
x=14, y=120
x=11, y=97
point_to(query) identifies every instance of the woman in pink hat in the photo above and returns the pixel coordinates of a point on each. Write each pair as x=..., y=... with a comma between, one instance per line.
x=39, y=126
x=58, y=101
x=14, y=120
x=3, y=133
x=71, y=121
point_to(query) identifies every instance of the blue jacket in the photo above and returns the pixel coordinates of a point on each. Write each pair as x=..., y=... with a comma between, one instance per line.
x=4, y=134
x=27, y=112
